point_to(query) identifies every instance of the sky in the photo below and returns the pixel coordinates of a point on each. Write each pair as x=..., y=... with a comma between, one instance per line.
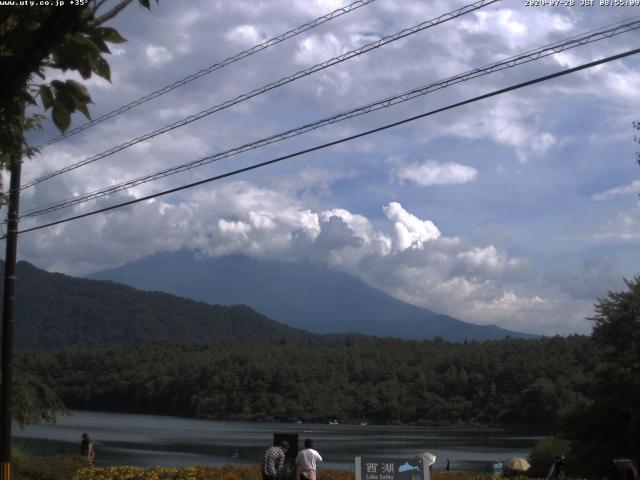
x=520, y=210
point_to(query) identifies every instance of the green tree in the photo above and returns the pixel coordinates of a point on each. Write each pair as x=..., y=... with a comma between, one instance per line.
x=32, y=40
x=607, y=424
x=35, y=402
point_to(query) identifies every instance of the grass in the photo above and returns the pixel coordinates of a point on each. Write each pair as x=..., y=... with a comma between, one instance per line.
x=62, y=467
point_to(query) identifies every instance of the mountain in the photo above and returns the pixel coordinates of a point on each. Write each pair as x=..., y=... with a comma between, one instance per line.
x=54, y=310
x=305, y=295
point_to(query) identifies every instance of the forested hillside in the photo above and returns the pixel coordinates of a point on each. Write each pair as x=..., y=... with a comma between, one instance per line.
x=55, y=310
x=524, y=382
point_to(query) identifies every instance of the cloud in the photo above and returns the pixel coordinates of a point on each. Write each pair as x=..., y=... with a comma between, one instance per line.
x=157, y=55
x=246, y=35
x=624, y=228
x=633, y=187
x=340, y=208
x=313, y=49
x=411, y=232
x=592, y=278
x=517, y=27
x=489, y=262
x=477, y=283
x=513, y=122
x=433, y=173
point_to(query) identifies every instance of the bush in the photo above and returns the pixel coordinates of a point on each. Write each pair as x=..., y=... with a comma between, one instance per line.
x=62, y=467
x=543, y=453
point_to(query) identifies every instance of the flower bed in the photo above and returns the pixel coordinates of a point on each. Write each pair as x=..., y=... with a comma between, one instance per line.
x=189, y=473
x=71, y=468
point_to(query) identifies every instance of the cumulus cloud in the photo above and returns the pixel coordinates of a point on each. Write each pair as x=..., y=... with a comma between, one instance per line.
x=415, y=263
x=433, y=173
x=341, y=209
x=490, y=262
x=411, y=232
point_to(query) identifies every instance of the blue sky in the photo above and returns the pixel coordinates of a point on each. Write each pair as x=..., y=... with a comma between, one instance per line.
x=518, y=210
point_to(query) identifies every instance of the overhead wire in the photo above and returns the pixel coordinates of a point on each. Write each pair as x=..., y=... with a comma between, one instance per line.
x=529, y=56
x=341, y=140
x=270, y=86
x=210, y=69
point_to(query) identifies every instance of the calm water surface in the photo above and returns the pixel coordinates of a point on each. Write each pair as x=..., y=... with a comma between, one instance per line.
x=147, y=440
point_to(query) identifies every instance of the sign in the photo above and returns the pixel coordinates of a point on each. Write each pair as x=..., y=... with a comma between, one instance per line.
x=383, y=468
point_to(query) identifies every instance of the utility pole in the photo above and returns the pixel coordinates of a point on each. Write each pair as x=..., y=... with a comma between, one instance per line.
x=6, y=410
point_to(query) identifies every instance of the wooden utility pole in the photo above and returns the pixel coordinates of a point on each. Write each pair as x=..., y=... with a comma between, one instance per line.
x=6, y=409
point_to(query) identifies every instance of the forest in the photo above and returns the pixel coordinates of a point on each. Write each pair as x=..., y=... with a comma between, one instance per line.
x=508, y=382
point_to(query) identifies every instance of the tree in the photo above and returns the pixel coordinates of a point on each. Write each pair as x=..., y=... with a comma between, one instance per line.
x=69, y=37
x=32, y=39
x=607, y=425
x=35, y=401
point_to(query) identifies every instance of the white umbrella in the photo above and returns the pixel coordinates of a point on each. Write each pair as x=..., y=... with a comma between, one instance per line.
x=429, y=458
x=517, y=464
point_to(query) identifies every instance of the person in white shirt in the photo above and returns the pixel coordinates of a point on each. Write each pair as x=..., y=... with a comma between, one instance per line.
x=307, y=461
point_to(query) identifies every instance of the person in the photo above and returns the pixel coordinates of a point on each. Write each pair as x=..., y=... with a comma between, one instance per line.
x=558, y=465
x=273, y=463
x=307, y=461
x=86, y=449
x=447, y=466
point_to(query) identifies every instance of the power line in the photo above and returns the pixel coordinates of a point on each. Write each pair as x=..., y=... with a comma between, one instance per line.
x=206, y=71
x=342, y=140
x=270, y=86
x=526, y=57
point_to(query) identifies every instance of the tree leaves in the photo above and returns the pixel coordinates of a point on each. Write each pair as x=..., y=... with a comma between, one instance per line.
x=110, y=35
x=65, y=98
x=35, y=401
x=77, y=46
x=61, y=116
x=101, y=68
x=46, y=96
x=608, y=425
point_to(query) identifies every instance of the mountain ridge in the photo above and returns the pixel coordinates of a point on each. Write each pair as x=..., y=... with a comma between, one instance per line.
x=54, y=310
x=304, y=295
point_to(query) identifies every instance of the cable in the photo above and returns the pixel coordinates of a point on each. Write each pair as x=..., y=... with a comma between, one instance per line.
x=206, y=71
x=278, y=83
x=362, y=110
x=513, y=61
x=341, y=140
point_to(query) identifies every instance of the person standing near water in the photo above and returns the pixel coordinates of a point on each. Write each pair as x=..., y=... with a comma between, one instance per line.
x=273, y=463
x=307, y=461
x=86, y=449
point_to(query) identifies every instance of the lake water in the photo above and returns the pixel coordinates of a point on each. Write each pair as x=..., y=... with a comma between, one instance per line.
x=147, y=440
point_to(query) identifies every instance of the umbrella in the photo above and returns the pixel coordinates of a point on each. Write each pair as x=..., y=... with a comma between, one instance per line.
x=428, y=458
x=517, y=464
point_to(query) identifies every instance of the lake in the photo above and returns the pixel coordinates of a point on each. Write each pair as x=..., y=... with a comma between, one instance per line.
x=146, y=440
